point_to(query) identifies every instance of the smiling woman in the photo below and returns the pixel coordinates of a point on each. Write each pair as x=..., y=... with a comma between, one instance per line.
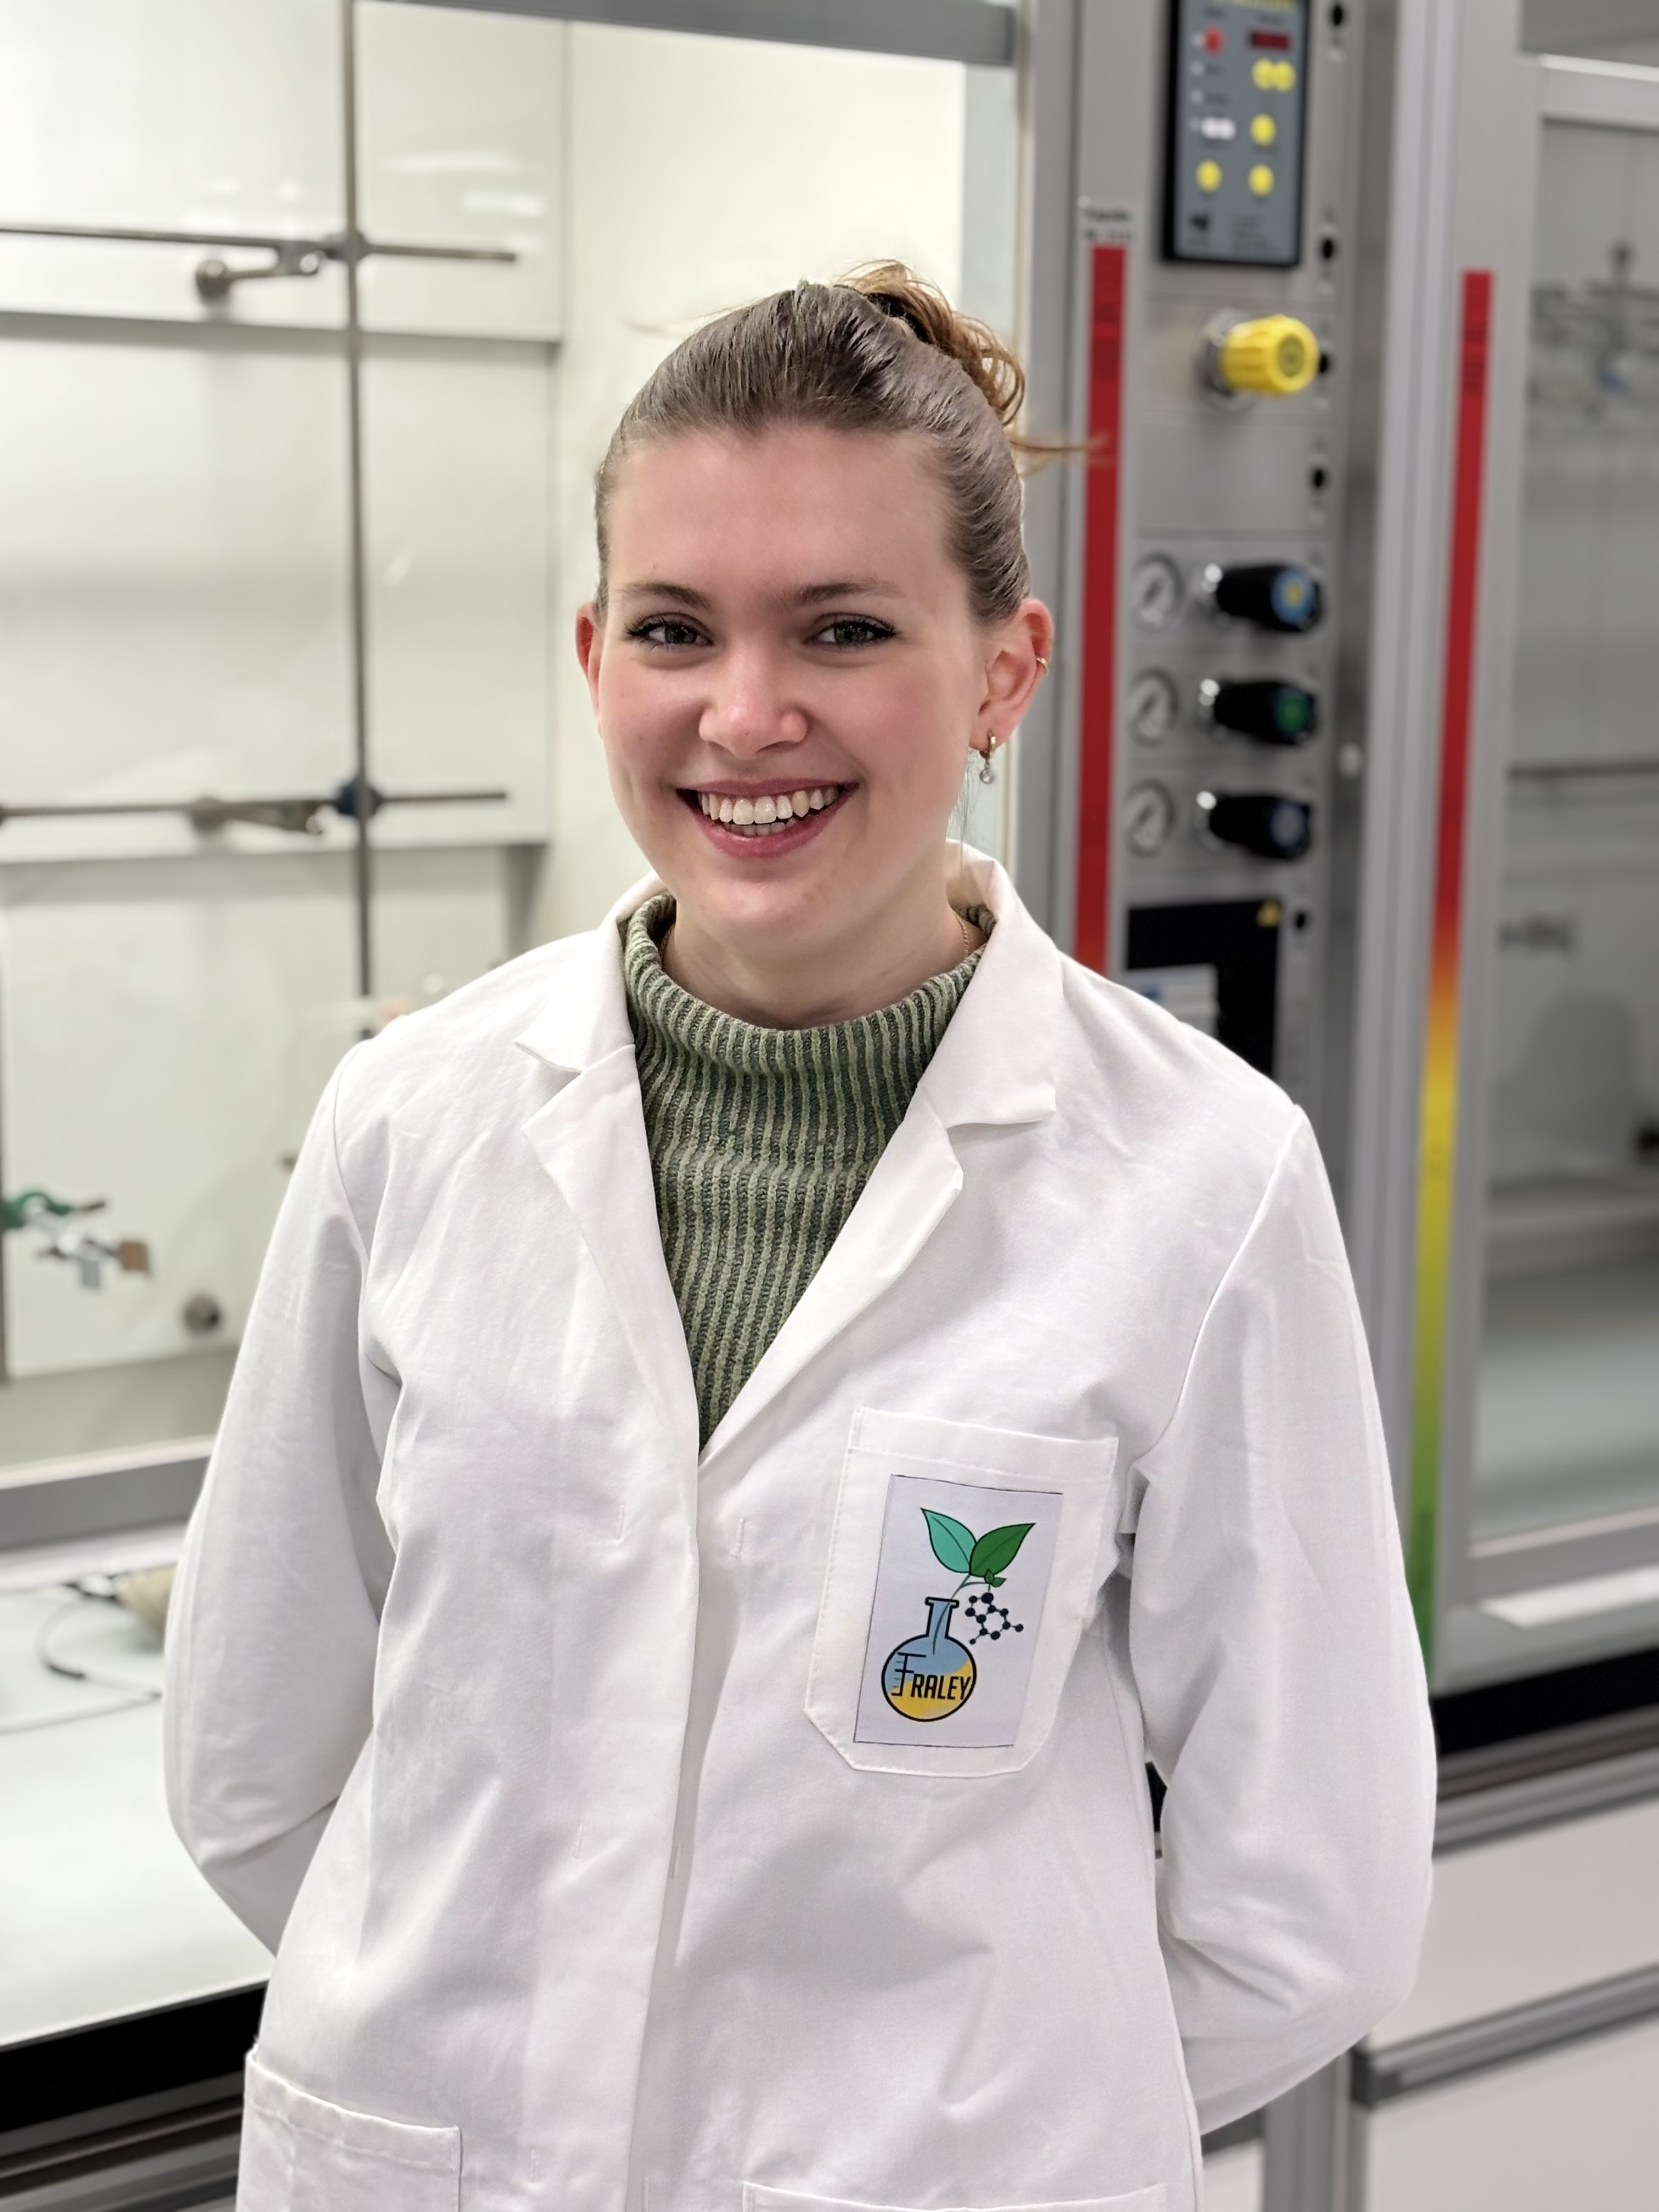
x=811, y=581
x=760, y=1420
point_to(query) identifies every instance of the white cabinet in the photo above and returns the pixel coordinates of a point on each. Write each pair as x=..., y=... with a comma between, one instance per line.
x=1578, y=2126
x=1535, y=1943
x=190, y=115
x=168, y=115
x=175, y=562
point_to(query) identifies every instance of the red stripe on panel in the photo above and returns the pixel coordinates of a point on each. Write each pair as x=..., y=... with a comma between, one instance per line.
x=1437, y=1137
x=1090, y=931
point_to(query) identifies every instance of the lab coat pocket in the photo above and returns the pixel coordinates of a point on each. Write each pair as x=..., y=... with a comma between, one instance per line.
x=963, y=1564
x=301, y=2153
x=785, y=2200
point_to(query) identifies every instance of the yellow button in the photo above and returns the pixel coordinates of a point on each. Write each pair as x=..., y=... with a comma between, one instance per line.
x=1274, y=354
x=1263, y=130
x=1262, y=180
x=1284, y=77
x=1209, y=176
x=1265, y=75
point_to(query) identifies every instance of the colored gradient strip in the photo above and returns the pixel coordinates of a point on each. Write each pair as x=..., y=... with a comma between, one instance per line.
x=1089, y=931
x=1437, y=1125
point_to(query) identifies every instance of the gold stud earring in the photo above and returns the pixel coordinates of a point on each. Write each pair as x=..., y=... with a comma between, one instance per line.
x=1042, y=664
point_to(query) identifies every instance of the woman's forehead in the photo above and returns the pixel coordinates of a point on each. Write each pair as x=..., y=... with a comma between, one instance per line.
x=800, y=495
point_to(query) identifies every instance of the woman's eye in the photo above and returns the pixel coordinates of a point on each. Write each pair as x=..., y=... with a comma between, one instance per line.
x=847, y=630
x=666, y=630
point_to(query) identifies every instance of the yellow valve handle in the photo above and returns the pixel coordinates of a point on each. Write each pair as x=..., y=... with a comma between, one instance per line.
x=1274, y=354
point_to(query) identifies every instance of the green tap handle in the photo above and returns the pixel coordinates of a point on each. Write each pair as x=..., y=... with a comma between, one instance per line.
x=17, y=1212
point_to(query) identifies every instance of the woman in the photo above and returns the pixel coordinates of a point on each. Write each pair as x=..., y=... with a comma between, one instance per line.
x=760, y=1420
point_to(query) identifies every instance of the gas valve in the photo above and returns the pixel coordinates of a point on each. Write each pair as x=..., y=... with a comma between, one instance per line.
x=1264, y=356
x=1272, y=713
x=1266, y=823
x=1277, y=595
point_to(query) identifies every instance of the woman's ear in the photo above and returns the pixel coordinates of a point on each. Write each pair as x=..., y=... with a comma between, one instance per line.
x=1020, y=652
x=590, y=649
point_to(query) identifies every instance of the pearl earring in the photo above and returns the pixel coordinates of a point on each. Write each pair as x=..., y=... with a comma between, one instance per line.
x=985, y=775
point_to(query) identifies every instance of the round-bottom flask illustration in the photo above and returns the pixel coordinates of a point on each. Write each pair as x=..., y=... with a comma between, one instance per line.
x=931, y=1674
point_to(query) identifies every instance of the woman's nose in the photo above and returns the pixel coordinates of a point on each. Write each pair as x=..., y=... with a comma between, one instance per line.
x=749, y=709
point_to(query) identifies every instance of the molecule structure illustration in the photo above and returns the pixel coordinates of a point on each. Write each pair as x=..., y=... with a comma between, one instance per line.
x=990, y=1619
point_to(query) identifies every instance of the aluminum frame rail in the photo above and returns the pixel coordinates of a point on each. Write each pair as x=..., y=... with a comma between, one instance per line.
x=1523, y=2031
x=983, y=34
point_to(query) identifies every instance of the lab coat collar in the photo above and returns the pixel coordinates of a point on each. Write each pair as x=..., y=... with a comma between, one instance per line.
x=975, y=1076
x=996, y=1061
x=590, y=1139
x=585, y=1018
x=995, y=1064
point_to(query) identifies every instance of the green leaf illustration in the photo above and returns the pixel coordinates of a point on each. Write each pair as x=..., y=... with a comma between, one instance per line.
x=995, y=1549
x=953, y=1544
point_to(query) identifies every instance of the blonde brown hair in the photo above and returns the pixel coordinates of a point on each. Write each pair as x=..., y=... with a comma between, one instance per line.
x=880, y=351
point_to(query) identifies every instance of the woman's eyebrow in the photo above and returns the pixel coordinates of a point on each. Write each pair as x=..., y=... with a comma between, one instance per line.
x=659, y=588
x=847, y=588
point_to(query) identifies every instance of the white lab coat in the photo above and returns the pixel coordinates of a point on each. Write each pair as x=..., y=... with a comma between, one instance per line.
x=555, y=1754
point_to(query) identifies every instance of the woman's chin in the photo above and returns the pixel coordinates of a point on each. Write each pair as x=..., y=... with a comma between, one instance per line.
x=758, y=902
x=761, y=931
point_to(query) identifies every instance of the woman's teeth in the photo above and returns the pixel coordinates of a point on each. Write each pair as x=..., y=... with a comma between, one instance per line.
x=764, y=817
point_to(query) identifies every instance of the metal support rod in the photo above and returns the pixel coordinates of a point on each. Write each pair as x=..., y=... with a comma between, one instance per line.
x=1563, y=771
x=5, y=1318
x=210, y=813
x=363, y=872
x=334, y=247
x=1305, y=2145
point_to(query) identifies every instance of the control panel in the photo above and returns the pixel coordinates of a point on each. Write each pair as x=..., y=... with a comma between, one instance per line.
x=1237, y=119
x=1215, y=787
x=1224, y=763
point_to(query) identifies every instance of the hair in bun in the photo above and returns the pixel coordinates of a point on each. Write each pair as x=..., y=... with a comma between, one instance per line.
x=928, y=315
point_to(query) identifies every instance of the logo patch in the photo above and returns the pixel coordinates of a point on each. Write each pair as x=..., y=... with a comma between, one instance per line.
x=960, y=1587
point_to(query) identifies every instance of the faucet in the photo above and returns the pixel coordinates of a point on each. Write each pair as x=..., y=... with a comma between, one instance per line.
x=57, y=1222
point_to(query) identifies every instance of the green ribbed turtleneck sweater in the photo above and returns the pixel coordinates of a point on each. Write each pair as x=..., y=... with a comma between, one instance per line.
x=761, y=1142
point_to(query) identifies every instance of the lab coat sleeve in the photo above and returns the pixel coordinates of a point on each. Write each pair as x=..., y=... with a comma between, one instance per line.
x=1279, y=1670
x=272, y=1628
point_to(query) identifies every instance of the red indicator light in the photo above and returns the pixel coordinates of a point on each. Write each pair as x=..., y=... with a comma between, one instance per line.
x=1214, y=39
x=1278, y=42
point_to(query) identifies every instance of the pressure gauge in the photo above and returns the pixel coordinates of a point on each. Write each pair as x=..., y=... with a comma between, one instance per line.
x=1149, y=819
x=1158, y=591
x=1153, y=705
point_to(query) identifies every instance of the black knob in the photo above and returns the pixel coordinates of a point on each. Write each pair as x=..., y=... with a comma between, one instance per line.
x=1266, y=823
x=1272, y=594
x=1273, y=713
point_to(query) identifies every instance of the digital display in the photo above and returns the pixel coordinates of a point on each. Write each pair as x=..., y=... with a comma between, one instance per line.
x=1237, y=123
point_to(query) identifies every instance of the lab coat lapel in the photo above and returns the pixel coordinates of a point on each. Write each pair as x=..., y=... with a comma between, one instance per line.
x=590, y=1138
x=914, y=1185
x=994, y=1065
